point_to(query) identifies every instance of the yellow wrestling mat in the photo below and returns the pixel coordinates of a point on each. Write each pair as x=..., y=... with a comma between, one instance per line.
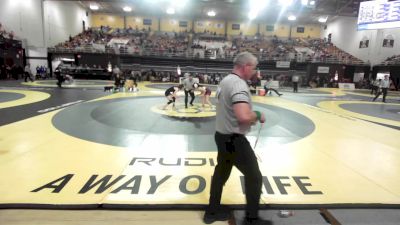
x=343, y=161
x=27, y=97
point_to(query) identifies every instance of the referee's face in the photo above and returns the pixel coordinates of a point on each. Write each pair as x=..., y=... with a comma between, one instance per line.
x=250, y=70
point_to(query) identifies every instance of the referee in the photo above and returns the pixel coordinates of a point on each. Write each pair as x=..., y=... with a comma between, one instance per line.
x=233, y=120
x=188, y=84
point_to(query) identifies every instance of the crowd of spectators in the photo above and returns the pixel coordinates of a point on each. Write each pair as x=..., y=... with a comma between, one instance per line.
x=11, y=70
x=41, y=72
x=167, y=43
x=4, y=34
x=87, y=39
x=206, y=45
x=8, y=40
x=392, y=60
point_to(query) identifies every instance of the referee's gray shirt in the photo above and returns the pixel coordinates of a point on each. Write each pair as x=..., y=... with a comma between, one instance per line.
x=231, y=90
x=188, y=85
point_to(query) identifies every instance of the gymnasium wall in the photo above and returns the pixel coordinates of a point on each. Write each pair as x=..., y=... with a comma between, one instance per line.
x=41, y=24
x=63, y=18
x=114, y=21
x=169, y=24
x=137, y=21
x=313, y=31
x=24, y=17
x=217, y=26
x=345, y=36
x=283, y=30
x=246, y=28
x=175, y=24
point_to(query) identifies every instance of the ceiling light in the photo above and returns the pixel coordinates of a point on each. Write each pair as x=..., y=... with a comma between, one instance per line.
x=127, y=9
x=94, y=7
x=312, y=2
x=211, y=13
x=291, y=18
x=304, y=2
x=252, y=15
x=323, y=19
x=170, y=11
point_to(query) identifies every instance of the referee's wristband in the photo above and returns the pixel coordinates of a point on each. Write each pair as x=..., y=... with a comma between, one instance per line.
x=258, y=113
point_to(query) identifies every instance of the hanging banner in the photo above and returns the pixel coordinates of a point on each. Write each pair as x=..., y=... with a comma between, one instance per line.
x=323, y=69
x=282, y=64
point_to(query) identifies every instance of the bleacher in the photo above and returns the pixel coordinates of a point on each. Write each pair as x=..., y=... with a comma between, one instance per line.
x=8, y=39
x=393, y=60
x=202, y=46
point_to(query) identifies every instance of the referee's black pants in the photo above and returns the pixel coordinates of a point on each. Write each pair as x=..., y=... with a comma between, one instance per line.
x=187, y=92
x=235, y=150
x=295, y=87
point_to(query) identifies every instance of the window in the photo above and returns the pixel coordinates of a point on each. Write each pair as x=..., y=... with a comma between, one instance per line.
x=270, y=28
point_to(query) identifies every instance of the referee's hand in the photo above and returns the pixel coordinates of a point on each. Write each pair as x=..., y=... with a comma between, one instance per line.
x=262, y=118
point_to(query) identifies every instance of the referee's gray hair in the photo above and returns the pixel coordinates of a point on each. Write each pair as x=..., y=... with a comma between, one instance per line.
x=244, y=58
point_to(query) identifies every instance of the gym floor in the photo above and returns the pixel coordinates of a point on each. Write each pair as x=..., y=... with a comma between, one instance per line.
x=78, y=147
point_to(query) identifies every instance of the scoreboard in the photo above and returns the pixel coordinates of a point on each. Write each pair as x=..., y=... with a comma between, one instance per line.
x=379, y=14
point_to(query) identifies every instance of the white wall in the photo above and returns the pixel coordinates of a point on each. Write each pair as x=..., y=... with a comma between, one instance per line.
x=42, y=24
x=24, y=17
x=62, y=19
x=345, y=36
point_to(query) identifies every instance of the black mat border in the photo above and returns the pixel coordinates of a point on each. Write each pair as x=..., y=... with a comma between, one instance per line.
x=191, y=206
